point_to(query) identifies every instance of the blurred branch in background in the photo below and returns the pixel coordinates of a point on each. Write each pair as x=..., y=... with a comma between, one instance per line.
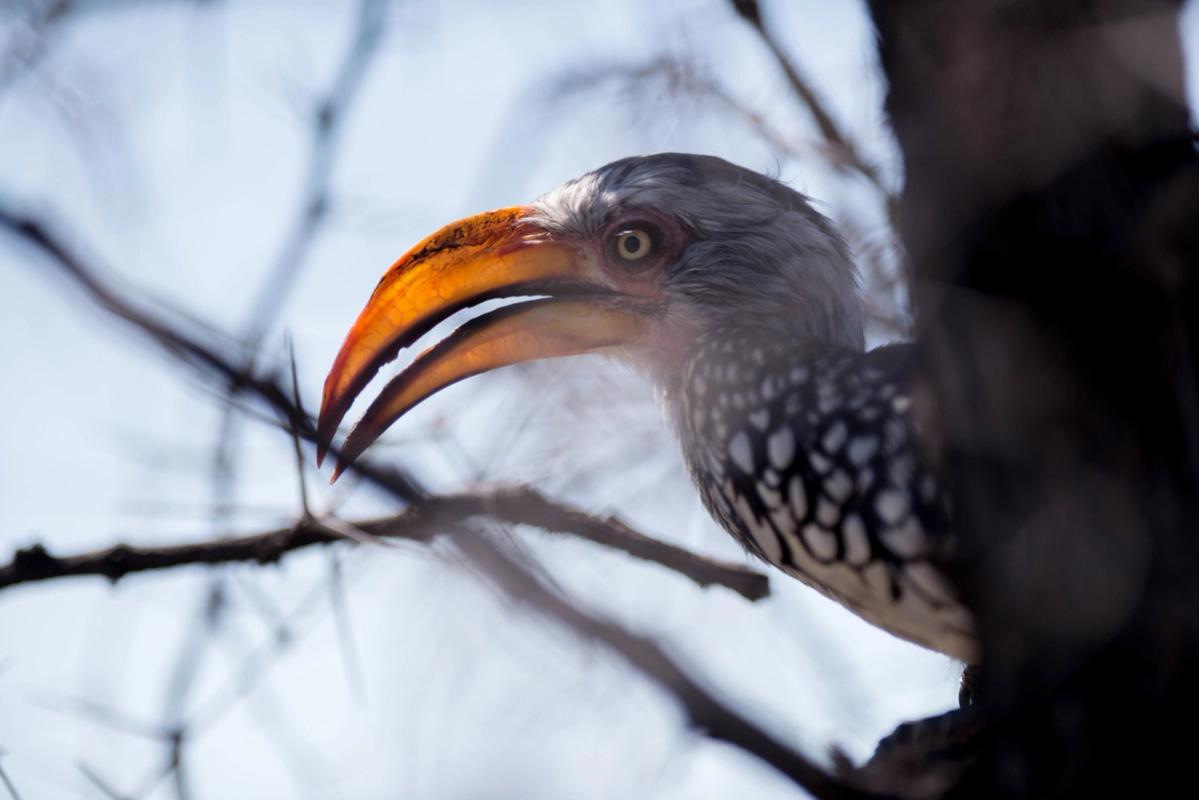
x=32, y=26
x=677, y=76
x=881, y=259
x=7, y=782
x=840, y=150
x=29, y=37
x=326, y=119
x=329, y=113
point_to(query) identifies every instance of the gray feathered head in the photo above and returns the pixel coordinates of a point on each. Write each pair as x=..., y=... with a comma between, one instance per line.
x=639, y=257
x=749, y=250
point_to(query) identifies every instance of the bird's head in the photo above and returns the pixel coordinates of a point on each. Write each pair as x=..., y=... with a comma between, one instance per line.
x=638, y=258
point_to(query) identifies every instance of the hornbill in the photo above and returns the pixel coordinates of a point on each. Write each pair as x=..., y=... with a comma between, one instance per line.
x=741, y=303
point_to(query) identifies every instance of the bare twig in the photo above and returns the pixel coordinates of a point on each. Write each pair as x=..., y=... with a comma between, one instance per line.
x=100, y=713
x=30, y=40
x=350, y=661
x=8, y=784
x=328, y=118
x=305, y=506
x=844, y=153
x=679, y=77
x=328, y=121
x=329, y=114
x=420, y=522
x=174, y=765
x=100, y=783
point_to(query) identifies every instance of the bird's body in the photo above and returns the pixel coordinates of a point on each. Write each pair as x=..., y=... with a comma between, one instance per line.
x=740, y=301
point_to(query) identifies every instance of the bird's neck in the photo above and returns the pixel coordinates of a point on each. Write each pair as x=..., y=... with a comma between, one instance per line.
x=726, y=373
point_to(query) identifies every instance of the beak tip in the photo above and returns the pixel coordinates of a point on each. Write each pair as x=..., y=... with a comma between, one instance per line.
x=326, y=429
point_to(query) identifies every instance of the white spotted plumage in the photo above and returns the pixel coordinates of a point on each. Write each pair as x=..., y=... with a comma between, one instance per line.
x=780, y=448
x=834, y=492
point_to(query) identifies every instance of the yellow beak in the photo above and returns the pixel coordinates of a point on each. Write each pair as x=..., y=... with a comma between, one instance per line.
x=491, y=255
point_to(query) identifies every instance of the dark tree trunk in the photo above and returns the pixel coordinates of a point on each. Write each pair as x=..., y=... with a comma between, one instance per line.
x=1051, y=215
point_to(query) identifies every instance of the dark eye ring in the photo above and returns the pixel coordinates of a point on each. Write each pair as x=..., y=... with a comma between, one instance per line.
x=636, y=243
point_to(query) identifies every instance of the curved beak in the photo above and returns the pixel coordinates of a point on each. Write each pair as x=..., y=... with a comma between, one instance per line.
x=492, y=255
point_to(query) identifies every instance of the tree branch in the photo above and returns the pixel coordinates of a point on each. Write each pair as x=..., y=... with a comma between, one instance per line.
x=420, y=522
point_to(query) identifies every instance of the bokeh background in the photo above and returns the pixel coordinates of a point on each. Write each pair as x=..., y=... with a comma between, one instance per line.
x=257, y=165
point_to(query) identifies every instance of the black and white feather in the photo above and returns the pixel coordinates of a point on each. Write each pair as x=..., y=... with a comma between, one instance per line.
x=805, y=453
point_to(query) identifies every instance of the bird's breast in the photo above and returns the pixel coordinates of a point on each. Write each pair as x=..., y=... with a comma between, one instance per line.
x=806, y=455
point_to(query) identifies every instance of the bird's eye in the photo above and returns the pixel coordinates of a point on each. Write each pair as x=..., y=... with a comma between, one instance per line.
x=633, y=245
x=636, y=244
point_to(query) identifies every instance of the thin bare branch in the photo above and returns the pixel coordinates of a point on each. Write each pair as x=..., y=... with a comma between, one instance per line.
x=9, y=786
x=29, y=41
x=421, y=522
x=328, y=121
x=350, y=661
x=305, y=507
x=99, y=782
x=843, y=151
x=678, y=77
x=97, y=712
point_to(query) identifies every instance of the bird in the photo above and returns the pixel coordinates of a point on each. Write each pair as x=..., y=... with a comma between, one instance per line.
x=741, y=302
